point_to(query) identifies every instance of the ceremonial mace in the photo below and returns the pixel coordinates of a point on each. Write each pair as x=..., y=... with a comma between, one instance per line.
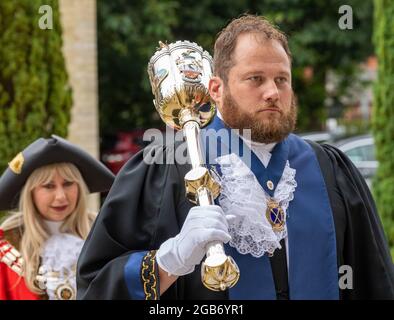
x=179, y=74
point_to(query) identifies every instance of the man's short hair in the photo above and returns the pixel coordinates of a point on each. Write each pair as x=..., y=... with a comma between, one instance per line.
x=227, y=39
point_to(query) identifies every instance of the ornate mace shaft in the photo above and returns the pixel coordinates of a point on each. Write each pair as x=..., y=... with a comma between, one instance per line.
x=179, y=74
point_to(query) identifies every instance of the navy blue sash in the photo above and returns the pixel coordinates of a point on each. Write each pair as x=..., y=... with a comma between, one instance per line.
x=313, y=272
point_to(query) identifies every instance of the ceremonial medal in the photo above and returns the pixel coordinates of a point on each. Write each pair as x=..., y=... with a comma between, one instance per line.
x=65, y=292
x=275, y=215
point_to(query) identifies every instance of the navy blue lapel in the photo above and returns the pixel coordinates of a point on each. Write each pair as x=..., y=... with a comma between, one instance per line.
x=313, y=269
x=275, y=167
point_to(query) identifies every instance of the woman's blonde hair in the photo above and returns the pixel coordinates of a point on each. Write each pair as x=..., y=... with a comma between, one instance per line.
x=31, y=223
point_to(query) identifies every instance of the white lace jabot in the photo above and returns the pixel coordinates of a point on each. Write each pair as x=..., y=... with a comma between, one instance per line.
x=243, y=197
x=57, y=273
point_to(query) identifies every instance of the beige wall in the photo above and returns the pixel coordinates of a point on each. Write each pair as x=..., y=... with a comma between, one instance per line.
x=78, y=19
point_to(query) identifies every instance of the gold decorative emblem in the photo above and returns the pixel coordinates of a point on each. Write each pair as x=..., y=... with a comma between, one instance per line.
x=190, y=66
x=65, y=292
x=17, y=163
x=275, y=215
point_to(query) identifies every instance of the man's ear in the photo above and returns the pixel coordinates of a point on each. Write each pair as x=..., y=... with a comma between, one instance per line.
x=215, y=88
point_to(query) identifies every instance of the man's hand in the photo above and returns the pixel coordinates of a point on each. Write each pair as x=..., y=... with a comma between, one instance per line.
x=204, y=224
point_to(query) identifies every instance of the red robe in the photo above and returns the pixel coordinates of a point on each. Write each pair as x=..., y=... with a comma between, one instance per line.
x=12, y=285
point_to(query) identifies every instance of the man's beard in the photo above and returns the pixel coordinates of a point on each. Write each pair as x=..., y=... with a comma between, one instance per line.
x=273, y=128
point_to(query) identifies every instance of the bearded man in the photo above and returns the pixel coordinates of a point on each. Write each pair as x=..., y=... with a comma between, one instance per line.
x=293, y=218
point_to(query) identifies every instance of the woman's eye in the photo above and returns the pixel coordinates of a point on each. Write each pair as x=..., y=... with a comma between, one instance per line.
x=68, y=183
x=48, y=186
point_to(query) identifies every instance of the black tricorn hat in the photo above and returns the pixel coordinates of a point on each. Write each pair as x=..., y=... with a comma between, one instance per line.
x=43, y=152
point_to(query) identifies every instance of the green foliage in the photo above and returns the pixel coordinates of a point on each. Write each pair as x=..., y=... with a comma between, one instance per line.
x=316, y=40
x=383, y=114
x=128, y=33
x=1, y=216
x=35, y=99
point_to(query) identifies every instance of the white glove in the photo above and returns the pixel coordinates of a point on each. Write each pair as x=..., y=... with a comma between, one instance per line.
x=203, y=225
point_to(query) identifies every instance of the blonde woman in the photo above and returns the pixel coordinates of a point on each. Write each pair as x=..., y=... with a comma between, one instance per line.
x=46, y=186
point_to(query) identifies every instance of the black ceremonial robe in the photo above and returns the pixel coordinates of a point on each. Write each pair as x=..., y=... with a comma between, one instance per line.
x=147, y=205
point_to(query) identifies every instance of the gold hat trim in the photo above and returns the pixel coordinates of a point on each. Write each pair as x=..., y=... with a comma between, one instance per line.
x=17, y=163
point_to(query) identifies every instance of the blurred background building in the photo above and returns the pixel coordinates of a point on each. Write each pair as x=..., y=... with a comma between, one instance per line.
x=78, y=19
